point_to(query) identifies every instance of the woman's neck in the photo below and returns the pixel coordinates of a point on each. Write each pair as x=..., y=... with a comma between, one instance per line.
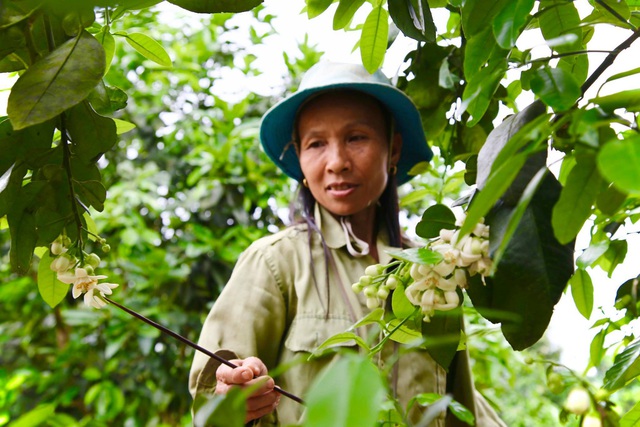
x=364, y=227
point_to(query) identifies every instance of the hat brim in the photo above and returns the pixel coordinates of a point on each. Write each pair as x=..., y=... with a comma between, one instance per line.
x=277, y=125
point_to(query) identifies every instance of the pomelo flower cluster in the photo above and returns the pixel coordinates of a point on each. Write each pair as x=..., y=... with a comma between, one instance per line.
x=69, y=271
x=433, y=286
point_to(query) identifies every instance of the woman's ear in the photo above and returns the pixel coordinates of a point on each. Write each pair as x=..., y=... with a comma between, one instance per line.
x=396, y=149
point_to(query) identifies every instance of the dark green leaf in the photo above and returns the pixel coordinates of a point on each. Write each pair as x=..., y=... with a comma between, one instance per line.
x=481, y=87
x=347, y=393
x=57, y=82
x=117, y=97
x=434, y=219
x=610, y=200
x=510, y=21
x=628, y=298
x=558, y=19
x=417, y=255
x=149, y=48
x=556, y=87
x=477, y=51
x=92, y=193
x=442, y=335
x=22, y=226
x=532, y=274
x=626, y=367
x=373, y=40
x=99, y=100
x=135, y=5
x=217, y=6
x=582, y=292
x=91, y=134
x=13, y=39
x=577, y=198
x=344, y=13
x=51, y=289
x=414, y=21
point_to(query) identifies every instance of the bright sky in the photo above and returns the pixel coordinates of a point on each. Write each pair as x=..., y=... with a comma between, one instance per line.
x=569, y=329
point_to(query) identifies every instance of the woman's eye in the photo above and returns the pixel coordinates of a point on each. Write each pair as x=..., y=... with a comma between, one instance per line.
x=357, y=137
x=314, y=144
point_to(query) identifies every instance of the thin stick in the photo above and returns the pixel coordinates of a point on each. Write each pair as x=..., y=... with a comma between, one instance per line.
x=193, y=345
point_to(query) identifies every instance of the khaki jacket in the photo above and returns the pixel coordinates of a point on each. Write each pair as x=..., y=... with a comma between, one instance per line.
x=270, y=308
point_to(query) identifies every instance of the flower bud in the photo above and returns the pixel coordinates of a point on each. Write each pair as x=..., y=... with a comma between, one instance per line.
x=415, y=272
x=383, y=292
x=446, y=234
x=370, y=291
x=57, y=248
x=392, y=282
x=89, y=269
x=373, y=270
x=373, y=303
x=357, y=287
x=424, y=269
x=444, y=268
x=60, y=264
x=591, y=420
x=93, y=260
x=578, y=401
x=365, y=280
x=106, y=248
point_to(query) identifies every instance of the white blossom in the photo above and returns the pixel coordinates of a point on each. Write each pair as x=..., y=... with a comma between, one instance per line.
x=61, y=264
x=83, y=283
x=578, y=401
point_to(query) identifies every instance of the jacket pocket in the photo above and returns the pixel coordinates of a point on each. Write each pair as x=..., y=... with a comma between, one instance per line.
x=307, y=332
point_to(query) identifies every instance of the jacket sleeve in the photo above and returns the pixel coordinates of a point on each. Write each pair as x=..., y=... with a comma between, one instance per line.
x=248, y=319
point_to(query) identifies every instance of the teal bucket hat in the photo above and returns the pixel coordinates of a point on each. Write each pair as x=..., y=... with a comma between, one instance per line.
x=276, y=128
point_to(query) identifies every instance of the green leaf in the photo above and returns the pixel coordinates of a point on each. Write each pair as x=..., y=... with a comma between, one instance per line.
x=414, y=20
x=577, y=66
x=227, y=410
x=35, y=417
x=434, y=219
x=533, y=270
x=344, y=13
x=343, y=337
x=123, y=126
x=51, y=289
x=403, y=334
x=400, y=304
x=510, y=21
x=108, y=44
x=57, y=82
x=558, y=19
x=478, y=14
x=416, y=255
x=217, y=6
x=498, y=182
x=149, y=48
x=626, y=367
x=610, y=200
x=597, y=349
x=623, y=74
x=477, y=51
x=577, y=198
x=373, y=40
x=91, y=134
x=631, y=418
x=317, y=7
x=92, y=193
x=628, y=99
x=347, y=393
x=614, y=256
x=442, y=335
x=134, y=5
x=480, y=89
x=462, y=413
x=591, y=254
x=582, y=292
x=374, y=316
x=556, y=87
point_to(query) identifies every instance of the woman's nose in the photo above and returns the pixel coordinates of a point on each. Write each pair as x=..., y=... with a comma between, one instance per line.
x=338, y=158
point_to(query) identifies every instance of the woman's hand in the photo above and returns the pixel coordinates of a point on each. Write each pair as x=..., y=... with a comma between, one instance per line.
x=249, y=372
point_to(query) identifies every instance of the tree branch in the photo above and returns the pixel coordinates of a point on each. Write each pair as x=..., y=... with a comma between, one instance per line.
x=616, y=14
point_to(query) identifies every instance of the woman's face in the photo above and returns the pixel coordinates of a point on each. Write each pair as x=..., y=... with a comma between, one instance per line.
x=344, y=151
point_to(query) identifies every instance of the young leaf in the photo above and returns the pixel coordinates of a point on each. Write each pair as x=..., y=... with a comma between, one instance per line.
x=347, y=393
x=434, y=219
x=416, y=255
x=149, y=48
x=556, y=87
x=597, y=349
x=577, y=198
x=51, y=289
x=374, y=316
x=619, y=160
x=582, y=292
x=631, y=418
x=344, y=13
x=592, y=253
x=317, y=7
x=341, y=338
x=57, y=82
x=510, y=21
x=626, y=367
x=373, y=40
x=122, y=126
x=403, y=334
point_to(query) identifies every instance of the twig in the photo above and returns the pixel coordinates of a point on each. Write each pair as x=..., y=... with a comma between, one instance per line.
x=193, y=345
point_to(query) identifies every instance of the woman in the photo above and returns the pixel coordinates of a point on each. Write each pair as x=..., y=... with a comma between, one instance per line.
x=349, y=138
